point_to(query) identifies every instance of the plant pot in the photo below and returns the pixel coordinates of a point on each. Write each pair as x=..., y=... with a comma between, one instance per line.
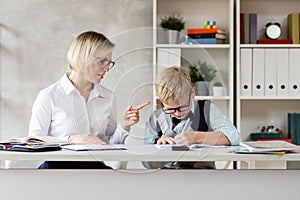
x=172, y=36
x=201, y=88
x=218, y=91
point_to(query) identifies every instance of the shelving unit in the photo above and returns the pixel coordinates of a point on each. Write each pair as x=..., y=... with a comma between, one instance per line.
x=195, y=12
x=252, y=111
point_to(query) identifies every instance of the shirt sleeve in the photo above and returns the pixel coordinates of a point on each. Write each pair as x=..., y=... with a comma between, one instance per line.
x=219, y=122
x=151, y=131
x=115, y=131
x=40, y=116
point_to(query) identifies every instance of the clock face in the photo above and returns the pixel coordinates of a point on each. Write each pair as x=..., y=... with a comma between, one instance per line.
x=273, y=31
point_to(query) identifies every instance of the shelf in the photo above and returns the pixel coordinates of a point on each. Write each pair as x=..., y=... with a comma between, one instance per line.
x=269, y=45
x=192, y=46
x=212, y=98
x=270, y=98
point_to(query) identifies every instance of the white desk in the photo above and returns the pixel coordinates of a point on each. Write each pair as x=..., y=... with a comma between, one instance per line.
x=149, y=184
x=152, y=153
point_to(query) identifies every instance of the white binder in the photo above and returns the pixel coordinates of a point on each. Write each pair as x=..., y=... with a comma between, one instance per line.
x=282, y=72
x=294, y=72
x=246, y=72
x=258, y=71
x=270, y=72
x=167, y=57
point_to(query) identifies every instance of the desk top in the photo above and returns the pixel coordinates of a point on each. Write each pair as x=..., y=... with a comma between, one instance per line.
x=147, y=153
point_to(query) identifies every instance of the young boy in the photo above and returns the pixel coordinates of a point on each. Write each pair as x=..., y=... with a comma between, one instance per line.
x=202, y=120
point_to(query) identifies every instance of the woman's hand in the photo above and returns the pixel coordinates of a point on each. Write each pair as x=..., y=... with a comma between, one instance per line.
x=131, y=115
x=165, y=140
x=85, y=139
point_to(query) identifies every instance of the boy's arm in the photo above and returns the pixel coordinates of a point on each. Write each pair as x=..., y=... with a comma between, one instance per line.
x=151, y=131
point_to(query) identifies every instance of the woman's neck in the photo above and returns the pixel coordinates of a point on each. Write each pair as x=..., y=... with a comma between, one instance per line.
x=81, y=84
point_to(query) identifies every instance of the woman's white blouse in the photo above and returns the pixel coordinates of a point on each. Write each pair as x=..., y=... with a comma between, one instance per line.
x=60, y=111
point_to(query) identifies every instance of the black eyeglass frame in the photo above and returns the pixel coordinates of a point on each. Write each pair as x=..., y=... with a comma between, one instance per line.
x=104, y=62
x=179, y=109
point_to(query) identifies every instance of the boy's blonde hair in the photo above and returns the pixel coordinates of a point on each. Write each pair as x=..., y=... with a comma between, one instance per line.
x=173, y=84
x=86, y=48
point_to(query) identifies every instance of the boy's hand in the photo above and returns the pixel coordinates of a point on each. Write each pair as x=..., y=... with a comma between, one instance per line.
x=165, y=140
x=185, y=138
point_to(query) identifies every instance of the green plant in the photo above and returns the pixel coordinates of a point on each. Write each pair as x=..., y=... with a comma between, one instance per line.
x=173, y=22
x=202, y=71
x=218, y=84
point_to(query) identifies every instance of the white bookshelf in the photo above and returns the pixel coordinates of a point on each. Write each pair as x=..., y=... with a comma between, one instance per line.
x=195, y=12
x=252, y=111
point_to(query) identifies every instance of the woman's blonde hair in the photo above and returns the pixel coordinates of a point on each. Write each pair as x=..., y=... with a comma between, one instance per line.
x=173, y=84
x=86, y=48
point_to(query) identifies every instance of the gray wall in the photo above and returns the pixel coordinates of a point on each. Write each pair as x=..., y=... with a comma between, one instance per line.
x=35, y=36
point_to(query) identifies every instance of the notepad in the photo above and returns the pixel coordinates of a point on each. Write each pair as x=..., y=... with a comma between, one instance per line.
x=93, y=147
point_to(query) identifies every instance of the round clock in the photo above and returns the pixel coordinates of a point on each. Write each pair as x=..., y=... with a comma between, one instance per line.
x=273, y=30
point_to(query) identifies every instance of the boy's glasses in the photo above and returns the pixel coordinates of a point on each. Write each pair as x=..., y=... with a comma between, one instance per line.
x=179, y=109
x=106, y=63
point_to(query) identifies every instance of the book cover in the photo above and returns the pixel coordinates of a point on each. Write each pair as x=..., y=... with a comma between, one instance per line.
x=293, y=27
x=257, y=136
x=242, y=40
x=246, y=28
x=207, y=41
x=207, y=35
x=205, y=30
x=278, y=41
x=253, y=28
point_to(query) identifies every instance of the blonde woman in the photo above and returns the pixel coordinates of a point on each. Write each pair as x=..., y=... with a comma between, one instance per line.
x=77, y=108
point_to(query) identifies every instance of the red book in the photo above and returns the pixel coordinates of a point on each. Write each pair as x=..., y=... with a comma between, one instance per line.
x=242, y=40
x=278, y=41
x=205, y=31
x=282, y=139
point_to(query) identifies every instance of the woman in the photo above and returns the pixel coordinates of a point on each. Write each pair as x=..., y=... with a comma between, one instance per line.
x=76, y=108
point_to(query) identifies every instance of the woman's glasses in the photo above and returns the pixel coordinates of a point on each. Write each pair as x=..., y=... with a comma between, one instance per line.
x=106, y=63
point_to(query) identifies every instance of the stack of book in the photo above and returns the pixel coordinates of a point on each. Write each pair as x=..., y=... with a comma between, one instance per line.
x=206, y=36
x=294, y=127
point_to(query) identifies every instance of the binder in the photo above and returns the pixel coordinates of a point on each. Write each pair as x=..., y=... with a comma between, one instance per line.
x=258, y=72
x=246, y=72
x=294, y=72
x=282, y=72
x=167, y=57
x=294, y=127
x=270, y=72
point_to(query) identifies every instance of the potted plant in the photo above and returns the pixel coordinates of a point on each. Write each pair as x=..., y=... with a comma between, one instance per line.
x=218, y=88
x=202, y=73
x=172, y=24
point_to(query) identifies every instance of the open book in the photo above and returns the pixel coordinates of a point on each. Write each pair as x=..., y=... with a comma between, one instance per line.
x=271, y=147
x=37, y=140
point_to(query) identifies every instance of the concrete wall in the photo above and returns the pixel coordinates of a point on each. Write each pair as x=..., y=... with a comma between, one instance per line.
x=35, y=36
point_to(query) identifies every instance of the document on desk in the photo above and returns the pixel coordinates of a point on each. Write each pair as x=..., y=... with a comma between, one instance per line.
x=270, y=147
x=206, y=146
x=93, y=147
